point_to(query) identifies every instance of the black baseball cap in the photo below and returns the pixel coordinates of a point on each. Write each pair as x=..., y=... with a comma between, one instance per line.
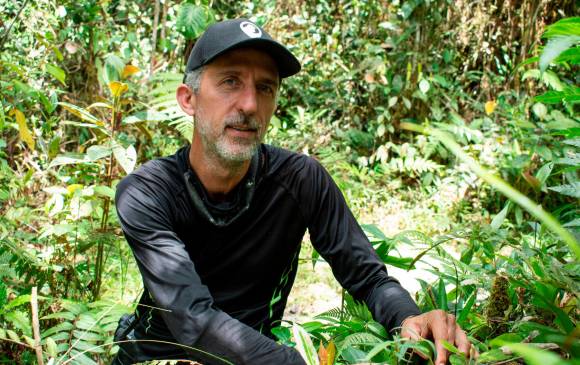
x=229, y=34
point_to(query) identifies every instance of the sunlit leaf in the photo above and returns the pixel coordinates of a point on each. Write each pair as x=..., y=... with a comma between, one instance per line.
x=57, y=72
x=424, y=86
x=540, y=110
x=81, y=113
x=118, y=88
x=24, y=132
x=129, y=70
x=192, y=20
x=490, y=106
x=563, y=27
x=304, y=345
x=555, y=47
x=144, y=116
x=499, y=218
x=96, y=152
x=51, y=347
x=534, y=356
x=73, y=187
x=572, y=189
x=326, y=354
x=68, y=159
x=105, y=191
x=125, y=157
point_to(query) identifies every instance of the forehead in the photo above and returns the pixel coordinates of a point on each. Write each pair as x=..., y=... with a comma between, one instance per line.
x=246, y=58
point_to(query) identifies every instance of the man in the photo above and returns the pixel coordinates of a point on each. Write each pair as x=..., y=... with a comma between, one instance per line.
x=216, y=228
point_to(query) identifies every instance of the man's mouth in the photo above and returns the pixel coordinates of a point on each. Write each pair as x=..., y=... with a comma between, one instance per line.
x=243, y=128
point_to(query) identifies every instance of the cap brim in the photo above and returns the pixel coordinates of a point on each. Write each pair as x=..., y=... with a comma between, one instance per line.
x=288, y=65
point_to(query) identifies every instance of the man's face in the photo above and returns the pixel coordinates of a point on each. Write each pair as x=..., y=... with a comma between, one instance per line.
x=236, y=100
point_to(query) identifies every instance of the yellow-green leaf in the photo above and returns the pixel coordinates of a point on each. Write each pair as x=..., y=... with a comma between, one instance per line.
x=490, y=107
x=23, y=130
x=118, y=88
x=51, y=347
x=57, y=72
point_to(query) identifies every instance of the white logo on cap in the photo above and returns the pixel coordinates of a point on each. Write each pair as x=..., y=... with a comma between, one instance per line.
x=251, y=29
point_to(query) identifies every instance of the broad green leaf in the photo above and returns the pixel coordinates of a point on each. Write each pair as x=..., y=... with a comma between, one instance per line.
x=572, y=189
x=492, y=357
x=18, y=301
x=505, y=338
x=12, y=335
x=105, y=191
x=555, y=47
x=51, y=347
x=81, y=113
x=375, y=231
x=192, y=20
x=544, y=173
x=304, y=345
x=499, y=218
x=68, y=159
x=112, y=69
x=540, y=110
x=60, y=315
x=534, y=356
x=88, y=336
x=81, y=358
x=564, y=27
x=57, y=72
x=574, y=223
x=28, y=340
x=571, y=55
x=74, y=307
x=449, y=347
x=144, y=116
x=424, y=86
x=573, y=142
x=125, y=157
x=96, y=152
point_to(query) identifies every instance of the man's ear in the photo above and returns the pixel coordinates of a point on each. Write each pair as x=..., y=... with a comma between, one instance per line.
x=186, y=99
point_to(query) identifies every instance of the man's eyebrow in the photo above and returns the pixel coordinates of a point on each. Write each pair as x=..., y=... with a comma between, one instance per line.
x=269, y=81
x=264, y=80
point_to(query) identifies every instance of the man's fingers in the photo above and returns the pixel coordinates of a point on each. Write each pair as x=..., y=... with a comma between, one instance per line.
x=441, y=332
x=412, y=331
x=461, y=342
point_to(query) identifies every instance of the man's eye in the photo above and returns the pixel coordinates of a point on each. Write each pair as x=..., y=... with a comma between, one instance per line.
x=230, y=82
x=267, y=89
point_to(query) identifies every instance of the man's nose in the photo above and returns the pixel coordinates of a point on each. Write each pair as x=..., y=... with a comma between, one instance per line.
x=248, y=101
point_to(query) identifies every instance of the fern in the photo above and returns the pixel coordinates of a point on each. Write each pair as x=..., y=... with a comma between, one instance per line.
x=163, y=101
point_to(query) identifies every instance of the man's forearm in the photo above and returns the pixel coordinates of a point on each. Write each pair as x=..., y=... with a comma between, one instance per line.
x=391, y=304
x=228, y=339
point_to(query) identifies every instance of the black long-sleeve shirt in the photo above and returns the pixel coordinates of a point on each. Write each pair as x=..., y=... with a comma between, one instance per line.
x=220, y=288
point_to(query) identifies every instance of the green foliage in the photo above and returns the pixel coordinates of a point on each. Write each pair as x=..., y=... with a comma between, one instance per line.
x=77, y=114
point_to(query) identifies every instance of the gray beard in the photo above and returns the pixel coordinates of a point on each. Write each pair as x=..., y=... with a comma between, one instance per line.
x=221, y=148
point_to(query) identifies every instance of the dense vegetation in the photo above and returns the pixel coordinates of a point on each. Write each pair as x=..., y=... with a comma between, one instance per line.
x=466, y=111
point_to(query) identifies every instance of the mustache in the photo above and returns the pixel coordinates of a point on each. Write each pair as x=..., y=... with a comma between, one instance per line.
x=241, y=120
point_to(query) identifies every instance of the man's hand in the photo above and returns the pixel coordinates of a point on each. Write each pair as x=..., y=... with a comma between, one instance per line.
x=437, y=325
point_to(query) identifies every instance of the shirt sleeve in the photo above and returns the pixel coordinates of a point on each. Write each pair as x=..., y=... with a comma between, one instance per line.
x=338, y=237
x=169, y=275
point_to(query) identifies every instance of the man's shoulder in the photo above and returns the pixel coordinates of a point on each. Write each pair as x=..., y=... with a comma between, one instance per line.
x=283, y=162
x=164, y=173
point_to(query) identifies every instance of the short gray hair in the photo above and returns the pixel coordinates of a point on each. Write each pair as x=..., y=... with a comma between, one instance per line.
x=193, y=79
